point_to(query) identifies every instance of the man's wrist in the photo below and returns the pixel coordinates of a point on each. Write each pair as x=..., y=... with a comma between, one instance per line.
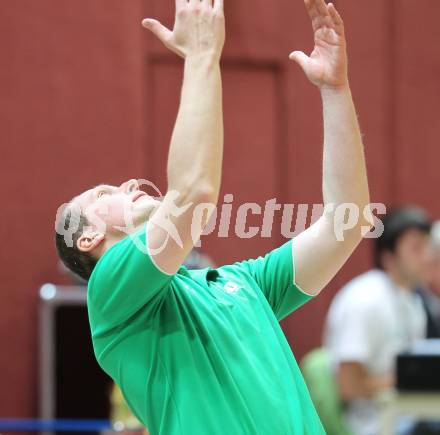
x=210, y=59
x=332, y=91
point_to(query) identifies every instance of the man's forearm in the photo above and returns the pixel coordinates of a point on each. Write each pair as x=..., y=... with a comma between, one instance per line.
x=196, y=151
x=354, y=382
x=344, y=171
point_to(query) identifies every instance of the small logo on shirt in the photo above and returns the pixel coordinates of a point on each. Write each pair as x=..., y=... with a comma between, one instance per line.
x=231, y=287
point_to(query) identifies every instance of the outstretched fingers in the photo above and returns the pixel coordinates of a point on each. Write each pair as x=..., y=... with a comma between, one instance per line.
x=321, y=7
x=218, y=6
x=180, y=4
x=324, y=15
x=318, y=13
x=215, y=4
x=311, y=9
x=207, y=3
x=204, y=3
x=336, y=18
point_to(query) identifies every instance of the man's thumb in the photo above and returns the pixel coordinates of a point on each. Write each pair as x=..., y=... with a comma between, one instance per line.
x=300, y=58
x=157, y=28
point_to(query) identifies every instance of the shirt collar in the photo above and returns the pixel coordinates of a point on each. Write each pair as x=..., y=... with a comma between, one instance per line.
x=208, y=273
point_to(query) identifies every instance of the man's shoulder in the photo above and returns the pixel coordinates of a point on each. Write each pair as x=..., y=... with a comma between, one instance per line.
x=374, y=280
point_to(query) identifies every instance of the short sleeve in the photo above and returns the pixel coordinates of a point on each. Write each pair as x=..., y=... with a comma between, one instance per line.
x=125, y=280
x=274, y=274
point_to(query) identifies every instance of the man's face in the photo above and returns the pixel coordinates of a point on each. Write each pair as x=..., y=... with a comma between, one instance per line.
x=413, y=257
x=434, y=280
x=116, y=210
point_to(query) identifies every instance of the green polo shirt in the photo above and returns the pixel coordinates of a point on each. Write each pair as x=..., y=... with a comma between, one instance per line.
x=201, y=352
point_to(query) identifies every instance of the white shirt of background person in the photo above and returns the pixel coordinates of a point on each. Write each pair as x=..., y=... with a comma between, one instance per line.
x=370, y=321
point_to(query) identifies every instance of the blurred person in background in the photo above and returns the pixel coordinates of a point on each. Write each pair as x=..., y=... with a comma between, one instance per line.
x=430, y=294
x=378, y=315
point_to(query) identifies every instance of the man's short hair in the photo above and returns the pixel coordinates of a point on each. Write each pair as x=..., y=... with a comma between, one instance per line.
x=396, y=224
x=78, y=262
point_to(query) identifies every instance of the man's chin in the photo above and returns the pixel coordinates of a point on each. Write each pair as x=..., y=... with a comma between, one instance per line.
x=141, y=219
x=145, y=210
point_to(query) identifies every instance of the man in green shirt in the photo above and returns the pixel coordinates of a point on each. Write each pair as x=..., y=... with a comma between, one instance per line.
x=201, y=352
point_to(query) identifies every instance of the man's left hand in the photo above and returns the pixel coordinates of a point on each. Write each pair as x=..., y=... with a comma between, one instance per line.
x=326, y=67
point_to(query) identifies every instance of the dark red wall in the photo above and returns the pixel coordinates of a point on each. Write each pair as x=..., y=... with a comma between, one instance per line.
x=87, y=96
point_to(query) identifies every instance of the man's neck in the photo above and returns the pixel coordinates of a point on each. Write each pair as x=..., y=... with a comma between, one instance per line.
x=400, y=281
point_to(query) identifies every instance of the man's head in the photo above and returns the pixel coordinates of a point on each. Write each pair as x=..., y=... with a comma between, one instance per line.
x=96, y=219
x=403, y=250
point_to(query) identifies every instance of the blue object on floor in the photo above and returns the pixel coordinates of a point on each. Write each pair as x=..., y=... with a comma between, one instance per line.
x=62, y=425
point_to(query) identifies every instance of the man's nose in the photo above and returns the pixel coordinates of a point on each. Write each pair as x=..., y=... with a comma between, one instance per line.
x=129, y=186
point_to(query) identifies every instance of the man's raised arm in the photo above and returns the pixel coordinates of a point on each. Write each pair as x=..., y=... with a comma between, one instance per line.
x=319, y=251
x=196, y=151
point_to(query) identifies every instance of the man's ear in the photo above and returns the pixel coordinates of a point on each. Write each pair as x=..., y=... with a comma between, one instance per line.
x=87, y=242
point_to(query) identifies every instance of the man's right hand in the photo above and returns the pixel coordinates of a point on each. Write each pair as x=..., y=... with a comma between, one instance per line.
x=199, y=29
